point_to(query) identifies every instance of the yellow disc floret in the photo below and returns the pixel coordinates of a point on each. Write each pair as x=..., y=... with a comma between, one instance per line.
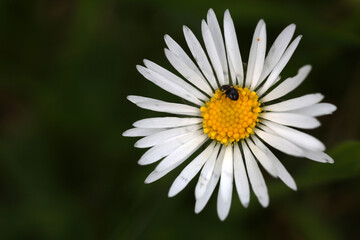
x=227, y=120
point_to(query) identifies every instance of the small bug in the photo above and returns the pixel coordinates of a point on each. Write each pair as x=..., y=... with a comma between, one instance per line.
x=230, y=92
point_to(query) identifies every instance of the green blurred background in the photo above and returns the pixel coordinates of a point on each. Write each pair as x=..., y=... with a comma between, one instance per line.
x=66, y=172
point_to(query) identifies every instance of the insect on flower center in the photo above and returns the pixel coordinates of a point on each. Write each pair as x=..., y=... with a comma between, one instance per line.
x=226, y=120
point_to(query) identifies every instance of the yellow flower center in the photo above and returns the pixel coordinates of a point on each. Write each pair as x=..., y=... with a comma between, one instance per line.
x=227, y=120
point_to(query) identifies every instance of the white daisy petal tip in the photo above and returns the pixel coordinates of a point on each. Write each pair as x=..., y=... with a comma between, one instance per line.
x=153, y=176
x=210, y=12
x=261, y=22
x=197, y=210
x=332, y=108
x=291, y=28
x=264, y=202
x=140, y=132
x=329, y=159
x=139, y=68
x=172, y=192
x=140, y=163
x=227, y=18
x=149, y=179
x=131, y=98
x=317, y=110
x=146, y=61
x=137, y=145
x=203, y=23
x=291, y=184
x=128, y=133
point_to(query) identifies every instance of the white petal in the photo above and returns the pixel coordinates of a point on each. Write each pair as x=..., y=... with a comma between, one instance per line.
x=256, y=56
x=277, y=50
x=232, y=73
x=212, y=52
x=157, y=174
x=280, y=143
x=226, y=184
x=262, y=158
x=140, y=132
x=241, y=181
x=267, y=129
x=162, y=150
x=201, y=202
x=190, y=171
x=280, y=66
x=295, y=103
x=182, y=153
x=223, y=207
x=256, y=178
x=318, y=157
x=187, y=72
x=288, y=85
x=167, y=85
x=206, y=173
x=200, y=56
x=232, y=48
x=163, y=136
x=166, y=122
x=226, y=180
x=161, y=106
x=282, y=172
x=181, y=54
x=169, y=76
x=292, y=119
x=299, y=138
x=215, y=30
x=316, y=110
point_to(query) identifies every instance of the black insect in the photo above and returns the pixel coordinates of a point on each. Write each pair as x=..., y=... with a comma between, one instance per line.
x=230, y=92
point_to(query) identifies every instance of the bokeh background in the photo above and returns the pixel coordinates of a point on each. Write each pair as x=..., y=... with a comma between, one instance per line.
x=66, y=172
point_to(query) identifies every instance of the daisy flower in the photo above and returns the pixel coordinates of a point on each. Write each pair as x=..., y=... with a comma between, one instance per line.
x=231, y=117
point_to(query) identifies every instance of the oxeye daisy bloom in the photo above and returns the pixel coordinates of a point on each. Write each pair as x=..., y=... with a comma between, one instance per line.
x=231, y=116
